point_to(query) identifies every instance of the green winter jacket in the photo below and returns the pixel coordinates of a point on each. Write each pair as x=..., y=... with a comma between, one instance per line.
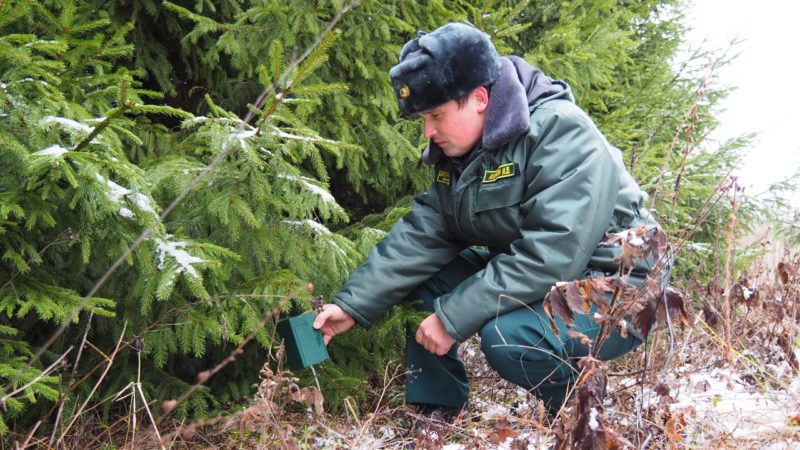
x=540, y=191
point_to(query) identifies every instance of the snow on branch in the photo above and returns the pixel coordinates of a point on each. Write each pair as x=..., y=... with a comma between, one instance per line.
x=54, y=151
x=316, y=139
x=68, y=123
x=316, y=226
x=315, y=189
x=115, y=193
x=174, y=249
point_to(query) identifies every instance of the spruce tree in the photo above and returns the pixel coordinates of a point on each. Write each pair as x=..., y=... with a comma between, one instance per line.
x=196, y=275
x=219, y=156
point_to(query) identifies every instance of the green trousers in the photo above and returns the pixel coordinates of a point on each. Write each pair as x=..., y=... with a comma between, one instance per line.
x=520, y=345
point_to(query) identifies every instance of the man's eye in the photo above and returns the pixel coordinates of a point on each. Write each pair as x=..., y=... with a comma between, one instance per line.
x=437, y=116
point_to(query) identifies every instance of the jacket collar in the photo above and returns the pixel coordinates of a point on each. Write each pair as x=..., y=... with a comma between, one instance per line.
x=518, y=87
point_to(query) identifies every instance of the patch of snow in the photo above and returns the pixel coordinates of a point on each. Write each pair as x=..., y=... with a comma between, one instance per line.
x=699, y=247
x=631, y=237
x=125, y=212
x=316, y=226
x=174, y=249
x=41, y=41
x=53, y=150
x=325, y=195
x=69, y=123
x=284, y=135
x=143, y=202
x=720, y=400
x=194, y=121
x=318, y=190
x=593, y=423
x=242, y=135
x=115, y=191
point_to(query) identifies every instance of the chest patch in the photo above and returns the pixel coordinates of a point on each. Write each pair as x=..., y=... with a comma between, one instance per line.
x=443, y=177
x=504, y=171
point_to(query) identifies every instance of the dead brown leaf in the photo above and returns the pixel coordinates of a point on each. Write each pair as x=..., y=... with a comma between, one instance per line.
x=501, y=430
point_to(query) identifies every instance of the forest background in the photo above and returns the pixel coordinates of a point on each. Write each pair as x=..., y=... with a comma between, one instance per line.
x=178, y=175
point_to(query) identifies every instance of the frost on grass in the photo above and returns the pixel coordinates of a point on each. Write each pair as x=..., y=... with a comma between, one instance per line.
x=175, y=250
x=720, y=402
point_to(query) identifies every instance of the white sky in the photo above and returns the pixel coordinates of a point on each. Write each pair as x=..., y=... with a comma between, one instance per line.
x=767, y=77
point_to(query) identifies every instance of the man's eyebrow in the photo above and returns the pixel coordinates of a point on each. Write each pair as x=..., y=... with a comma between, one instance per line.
x=429, y=111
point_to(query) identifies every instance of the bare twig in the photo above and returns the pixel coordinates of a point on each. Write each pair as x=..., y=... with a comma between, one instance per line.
x=110, y=361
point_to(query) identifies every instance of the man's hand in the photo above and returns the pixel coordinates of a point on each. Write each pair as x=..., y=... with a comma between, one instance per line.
x=332, y=321
x=432, y=335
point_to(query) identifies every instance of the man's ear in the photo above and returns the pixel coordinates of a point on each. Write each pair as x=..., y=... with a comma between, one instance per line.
x=481, y=97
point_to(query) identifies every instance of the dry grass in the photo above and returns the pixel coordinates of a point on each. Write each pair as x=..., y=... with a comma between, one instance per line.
x=741, y=392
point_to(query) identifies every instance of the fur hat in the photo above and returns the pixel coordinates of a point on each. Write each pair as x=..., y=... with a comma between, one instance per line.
x=444, y=64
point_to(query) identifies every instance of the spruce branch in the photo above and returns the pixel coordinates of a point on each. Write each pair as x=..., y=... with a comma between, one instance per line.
x=270, y=90
x=64, y=236
x=307, y=62
x=204, y=376
x=36, y=379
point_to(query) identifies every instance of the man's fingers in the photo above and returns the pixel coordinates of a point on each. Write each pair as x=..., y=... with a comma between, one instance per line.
x=326, y=338
x=321, y=318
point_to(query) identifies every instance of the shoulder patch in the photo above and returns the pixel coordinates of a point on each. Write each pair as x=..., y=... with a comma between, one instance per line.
x=443, y=177
x=505, y=171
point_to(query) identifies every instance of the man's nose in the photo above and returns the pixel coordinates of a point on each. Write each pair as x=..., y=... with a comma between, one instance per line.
x=429, y=129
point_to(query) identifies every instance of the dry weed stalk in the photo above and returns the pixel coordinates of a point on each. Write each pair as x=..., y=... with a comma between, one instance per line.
x=109, y=363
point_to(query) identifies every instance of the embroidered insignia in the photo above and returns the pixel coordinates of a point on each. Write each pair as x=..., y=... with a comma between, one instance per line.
x=443, y=177
x=404, y=91
x=504, y=171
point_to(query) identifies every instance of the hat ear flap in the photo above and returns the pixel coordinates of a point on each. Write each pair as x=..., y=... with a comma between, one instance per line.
x=412, y=45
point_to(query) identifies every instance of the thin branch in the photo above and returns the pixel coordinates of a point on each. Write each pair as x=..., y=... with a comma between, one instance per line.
x=37, y=378
x=110, y=361
x=270, y=90
x=138, y=387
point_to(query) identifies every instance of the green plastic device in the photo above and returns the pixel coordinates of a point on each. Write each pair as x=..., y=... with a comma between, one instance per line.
x=304, y=345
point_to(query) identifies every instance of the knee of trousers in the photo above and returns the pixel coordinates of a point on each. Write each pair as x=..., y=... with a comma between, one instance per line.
x=529, y=361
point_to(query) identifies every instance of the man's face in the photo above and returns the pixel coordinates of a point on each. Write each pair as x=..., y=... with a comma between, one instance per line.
x=457, y=129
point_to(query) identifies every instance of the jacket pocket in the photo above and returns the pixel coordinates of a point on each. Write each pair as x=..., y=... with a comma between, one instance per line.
x=499, y=194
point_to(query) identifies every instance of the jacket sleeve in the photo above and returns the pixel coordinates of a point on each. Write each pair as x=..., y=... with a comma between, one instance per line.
x=416, y=247
x=570, y=194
